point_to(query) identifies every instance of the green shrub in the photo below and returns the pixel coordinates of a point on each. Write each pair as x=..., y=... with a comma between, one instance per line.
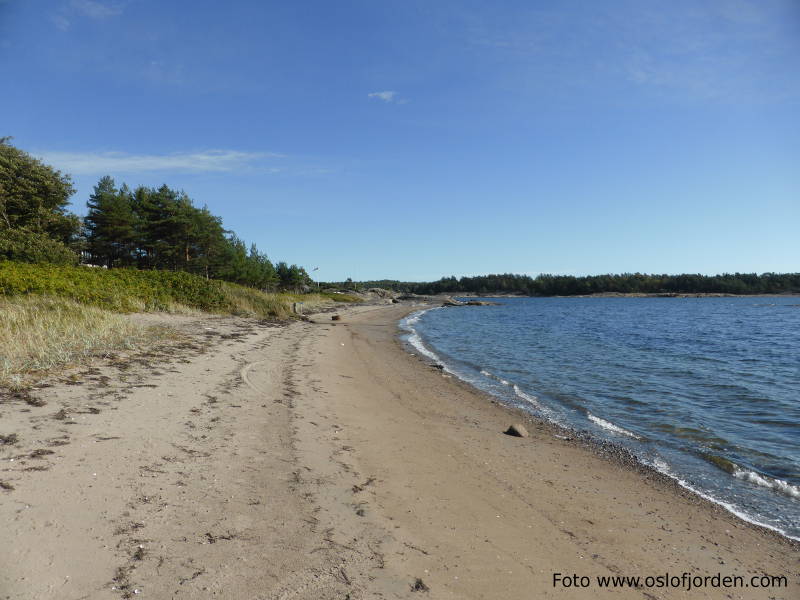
x=121, y=290
x=131, y=290
x=28, y=246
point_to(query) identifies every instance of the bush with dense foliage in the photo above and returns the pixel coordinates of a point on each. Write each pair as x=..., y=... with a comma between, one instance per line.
x=121, y=290
x=28, y=246
x=132, y=290
x=35, y=225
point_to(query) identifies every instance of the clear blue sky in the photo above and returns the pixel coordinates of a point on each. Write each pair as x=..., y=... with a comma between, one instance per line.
x=418, y=139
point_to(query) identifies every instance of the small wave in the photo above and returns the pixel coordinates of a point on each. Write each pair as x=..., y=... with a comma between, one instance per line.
x=524, y=396
x=533, y=401
x=413, y=318
x=662, y=467
x=775, y=484
x=611, y=427
x=415, y=340
x=778, y=485
x=486, y=373
x=546, y=412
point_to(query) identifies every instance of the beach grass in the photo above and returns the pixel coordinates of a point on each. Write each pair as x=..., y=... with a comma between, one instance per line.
x=131, y=290
x=54, y=316
x=40, y=333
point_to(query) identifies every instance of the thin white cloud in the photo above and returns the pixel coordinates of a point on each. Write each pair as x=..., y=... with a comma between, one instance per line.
x=98, y=163
x=732, y=51
x=95, y=9
x=387, y=96
x=92, y=9
x=60, y=21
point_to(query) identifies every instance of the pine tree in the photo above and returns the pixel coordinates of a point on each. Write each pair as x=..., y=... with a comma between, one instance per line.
x=110, y=225
x=209, y=243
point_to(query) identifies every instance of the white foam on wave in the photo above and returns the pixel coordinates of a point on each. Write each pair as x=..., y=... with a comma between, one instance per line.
x=495, y=377
x=611, y=427
x=416, y=341
x=662, y=467
x=528, y=397
x=534, y=401
x=412, y=319
x=778, y=485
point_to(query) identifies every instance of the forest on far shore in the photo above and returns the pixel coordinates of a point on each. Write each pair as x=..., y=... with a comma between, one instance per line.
x=569, y=285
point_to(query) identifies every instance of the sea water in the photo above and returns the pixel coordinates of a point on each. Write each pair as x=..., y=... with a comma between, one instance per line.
x=706, y=390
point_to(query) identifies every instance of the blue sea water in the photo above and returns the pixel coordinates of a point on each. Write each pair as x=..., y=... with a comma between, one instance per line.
x=706, y=390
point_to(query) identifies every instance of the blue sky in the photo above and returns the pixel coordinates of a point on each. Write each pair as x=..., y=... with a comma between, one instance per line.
x=412, y=140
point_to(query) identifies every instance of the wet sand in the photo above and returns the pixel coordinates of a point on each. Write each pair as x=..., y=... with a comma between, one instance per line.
x=322, y=460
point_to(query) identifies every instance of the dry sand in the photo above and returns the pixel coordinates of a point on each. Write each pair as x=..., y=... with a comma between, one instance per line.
x=320, y=460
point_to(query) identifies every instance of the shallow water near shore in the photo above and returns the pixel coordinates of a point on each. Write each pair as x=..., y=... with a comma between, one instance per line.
x=706, y=390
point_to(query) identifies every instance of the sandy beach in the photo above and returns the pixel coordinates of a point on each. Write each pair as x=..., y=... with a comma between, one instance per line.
x=322, y=460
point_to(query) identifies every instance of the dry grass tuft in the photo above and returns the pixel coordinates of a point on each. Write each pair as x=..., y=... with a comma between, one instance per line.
x=254, y=303
x=39, y=333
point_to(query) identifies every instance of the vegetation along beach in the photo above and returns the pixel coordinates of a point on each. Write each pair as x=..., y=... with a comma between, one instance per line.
x=355, y=301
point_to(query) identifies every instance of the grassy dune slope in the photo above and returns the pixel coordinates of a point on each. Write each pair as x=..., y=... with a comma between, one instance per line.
x=52, y=316
x=39, y=333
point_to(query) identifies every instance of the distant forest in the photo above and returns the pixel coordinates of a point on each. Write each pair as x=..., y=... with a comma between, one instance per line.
x=568, y=285
x=143, y=228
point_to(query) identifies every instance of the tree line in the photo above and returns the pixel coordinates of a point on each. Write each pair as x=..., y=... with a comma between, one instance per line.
x=143, y=227
x=626, y=283
x=161, y=228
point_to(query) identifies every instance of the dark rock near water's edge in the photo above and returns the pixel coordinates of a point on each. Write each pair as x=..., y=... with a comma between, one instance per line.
x=517, y=430
x=454, y=302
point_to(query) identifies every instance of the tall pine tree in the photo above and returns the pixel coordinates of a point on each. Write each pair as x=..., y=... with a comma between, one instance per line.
x=110, y=225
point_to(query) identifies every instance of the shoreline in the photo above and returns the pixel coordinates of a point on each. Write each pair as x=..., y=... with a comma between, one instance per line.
x=606, y=448
x=319, y=460
x=602, y=457
x=630, y=295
